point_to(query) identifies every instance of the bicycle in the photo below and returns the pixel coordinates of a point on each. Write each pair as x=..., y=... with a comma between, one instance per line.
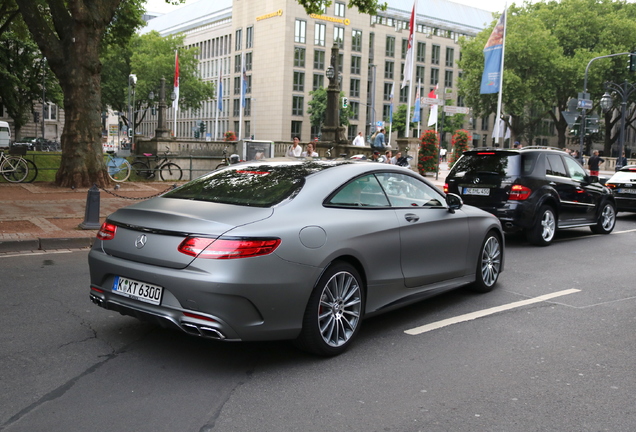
x=118, y=168
x=168, y=171
x=226, y=160
x=14, y=169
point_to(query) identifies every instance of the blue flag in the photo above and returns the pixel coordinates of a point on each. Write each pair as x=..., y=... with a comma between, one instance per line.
x=416, y=113
x=493, y=58
x=219, y=96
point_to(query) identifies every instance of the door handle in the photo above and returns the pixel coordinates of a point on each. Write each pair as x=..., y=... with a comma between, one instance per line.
x=410, y=217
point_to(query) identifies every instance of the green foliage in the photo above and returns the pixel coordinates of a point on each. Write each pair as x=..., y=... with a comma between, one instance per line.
x=318, y=108
x=461, y=140
x=364, y=6
x=399, y=120
x=428, y=154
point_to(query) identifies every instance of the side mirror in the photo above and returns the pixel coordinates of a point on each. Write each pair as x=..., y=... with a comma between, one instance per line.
x=454, y=202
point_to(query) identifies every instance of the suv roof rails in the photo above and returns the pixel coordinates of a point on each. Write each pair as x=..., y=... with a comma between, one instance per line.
x=489, y=148
x=542, y=147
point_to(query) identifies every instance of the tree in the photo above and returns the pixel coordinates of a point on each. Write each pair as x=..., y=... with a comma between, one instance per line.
x=23, y=72
x=318, y=107
x=364, y=6
x=151, y=57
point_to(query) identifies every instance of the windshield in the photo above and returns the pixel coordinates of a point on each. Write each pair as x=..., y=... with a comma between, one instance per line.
x=258, y=185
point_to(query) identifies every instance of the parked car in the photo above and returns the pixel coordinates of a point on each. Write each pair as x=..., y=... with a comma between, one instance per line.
x=291, y=249
x=623, y=187
x=534, y=189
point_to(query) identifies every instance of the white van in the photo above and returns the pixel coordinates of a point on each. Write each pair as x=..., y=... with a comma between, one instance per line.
x=5, y=134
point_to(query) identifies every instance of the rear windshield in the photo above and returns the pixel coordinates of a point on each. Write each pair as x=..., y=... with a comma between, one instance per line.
x=494, y=163
x=259, y=185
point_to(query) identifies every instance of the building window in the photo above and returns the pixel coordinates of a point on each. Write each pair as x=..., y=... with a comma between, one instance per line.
x=404, y=94
x=387, y=91
x=421, y=52
x=237, y=63
x=248, y=61
x=405, y=48
x=338, y=36
x=237, y=85
x=319, y=59
x=319, y=82
x=299, y=81
x=450, y=57
x=315, y=131
x=388, y=69
x=319, y=34
x=237, y=40
x=236, y=108
x=340, y=62
x=386, y=112
x=248, y=88
x=299, y=57
x=354, y=87
x=356, y=65
x=434, y=76
x=435, y=52
x=297, y=105
x=249, y=37
x=340, y=9
x=419, y=74
x=248, y=109
x=296, y=129
x=300, y=31
x=460, y=101
x=354, y=110
x=356, y=40
x=390, y=46
x=448, y=79
x=352, y=132
x=484, y=123
x=50, y=112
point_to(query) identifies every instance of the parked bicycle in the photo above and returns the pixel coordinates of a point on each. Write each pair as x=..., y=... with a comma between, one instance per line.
x=118, y=168
x=168, y=171
x=14, y=169
x=227, y=161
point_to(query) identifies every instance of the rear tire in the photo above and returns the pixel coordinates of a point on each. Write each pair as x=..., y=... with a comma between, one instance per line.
x=14, y=169
x=606, y=220
x=488, y=264
x=171, y=172
x=334, y=313
x=33, y=171
x=118, y=169
x=542, y=233
x=140, y=171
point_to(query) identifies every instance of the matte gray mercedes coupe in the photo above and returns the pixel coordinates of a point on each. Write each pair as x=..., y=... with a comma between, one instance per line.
x=291, y=249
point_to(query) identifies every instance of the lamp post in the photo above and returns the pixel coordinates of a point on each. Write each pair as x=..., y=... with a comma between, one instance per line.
x=132, y=81
x=607, y=101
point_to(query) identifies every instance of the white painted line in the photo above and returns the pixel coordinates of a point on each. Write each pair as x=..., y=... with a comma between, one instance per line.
x=482, y=313
x=623, y=232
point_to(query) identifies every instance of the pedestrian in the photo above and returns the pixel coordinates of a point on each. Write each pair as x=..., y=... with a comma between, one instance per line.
x=517, y=145
x=594, y=162
x=378, y=142
x=396, y=158
x=309, y=151
x=442, y=153
x=359, y=140
x=622, y=161
x=388, y=155
x=295, y=150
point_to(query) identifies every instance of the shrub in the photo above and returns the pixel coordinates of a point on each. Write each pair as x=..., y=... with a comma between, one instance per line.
x=429, y=152
x=460, y=141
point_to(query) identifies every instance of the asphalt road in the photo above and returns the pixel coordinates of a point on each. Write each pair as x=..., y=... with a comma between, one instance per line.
x=560, y=364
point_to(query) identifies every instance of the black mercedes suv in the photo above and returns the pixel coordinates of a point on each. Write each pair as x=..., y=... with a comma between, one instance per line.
x=534, y=189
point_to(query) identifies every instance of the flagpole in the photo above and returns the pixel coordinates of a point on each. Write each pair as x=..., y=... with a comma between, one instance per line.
x=408, y=67
x=175, y=103
x=391, y=112
x=503, y=56
x=242, y=104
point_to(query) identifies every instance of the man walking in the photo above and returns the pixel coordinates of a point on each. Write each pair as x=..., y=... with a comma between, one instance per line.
x=594, y=162
x=359, y=140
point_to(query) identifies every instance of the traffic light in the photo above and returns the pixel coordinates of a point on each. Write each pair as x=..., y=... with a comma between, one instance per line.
x=632, y=62
x=202, y=127
x=36, y=116
x=345, y=102
x=196, y=134
x=591, y=125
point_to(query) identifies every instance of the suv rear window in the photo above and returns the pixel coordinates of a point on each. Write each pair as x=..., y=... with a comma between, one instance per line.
x=498, y=163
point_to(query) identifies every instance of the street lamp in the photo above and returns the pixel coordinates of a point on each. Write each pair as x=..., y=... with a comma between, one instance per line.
x=624, y=91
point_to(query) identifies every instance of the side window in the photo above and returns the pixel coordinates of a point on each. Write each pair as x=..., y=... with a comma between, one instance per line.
x=360, y=192
x=406, y=191
x=554, y=166
x=576, y=171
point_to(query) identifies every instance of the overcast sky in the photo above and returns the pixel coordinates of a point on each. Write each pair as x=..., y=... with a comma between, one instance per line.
x=491, y=5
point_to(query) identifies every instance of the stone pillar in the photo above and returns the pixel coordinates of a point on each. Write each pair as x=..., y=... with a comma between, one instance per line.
x=162, y=130
x=331, y=131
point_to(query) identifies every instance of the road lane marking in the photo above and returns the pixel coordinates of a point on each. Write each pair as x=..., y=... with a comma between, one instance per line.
x=623, y=232
x=482, y=313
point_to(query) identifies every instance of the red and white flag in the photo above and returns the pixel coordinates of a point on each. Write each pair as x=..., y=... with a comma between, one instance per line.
x=408, y=64
x=432, y=117
x=175, y=102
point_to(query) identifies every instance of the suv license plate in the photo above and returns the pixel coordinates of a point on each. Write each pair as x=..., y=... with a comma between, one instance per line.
x=137, y=290
x=477, y=191
x=627, y=191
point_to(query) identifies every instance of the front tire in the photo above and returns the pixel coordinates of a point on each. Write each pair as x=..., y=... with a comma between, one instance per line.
x=488, y=264
x=542, y=233
x=334, y=313
x=170, y=171
x=606, y=220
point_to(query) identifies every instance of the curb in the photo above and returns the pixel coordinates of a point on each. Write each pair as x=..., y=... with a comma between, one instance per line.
x=45, y=244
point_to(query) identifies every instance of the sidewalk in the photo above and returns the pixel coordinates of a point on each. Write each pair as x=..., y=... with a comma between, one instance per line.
x=43, y=216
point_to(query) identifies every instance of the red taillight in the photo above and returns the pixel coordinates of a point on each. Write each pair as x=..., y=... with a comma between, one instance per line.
x=519, y=193
x=445, y=187
x=611, y=185
x=107, y=231
x=227, y=249
x=485, y=153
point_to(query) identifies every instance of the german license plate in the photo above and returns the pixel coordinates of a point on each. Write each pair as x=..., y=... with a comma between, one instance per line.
x=137, y=290
x=627, y=191
x=476, y=191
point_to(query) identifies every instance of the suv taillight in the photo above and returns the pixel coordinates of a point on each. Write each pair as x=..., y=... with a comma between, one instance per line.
x=519, y=193
x=445, y=187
